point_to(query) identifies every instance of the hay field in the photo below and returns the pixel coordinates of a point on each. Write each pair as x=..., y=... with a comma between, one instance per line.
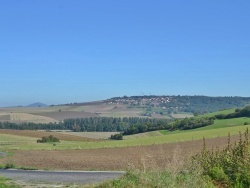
x=25, y=117
x=93, y=135
x=143, y=135
x=181, y=116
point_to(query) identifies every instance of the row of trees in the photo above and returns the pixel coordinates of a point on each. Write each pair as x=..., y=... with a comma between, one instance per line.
x=92, y=124
x=32, y=126
x=192, y=123
x=185, y=124
x=106, y=124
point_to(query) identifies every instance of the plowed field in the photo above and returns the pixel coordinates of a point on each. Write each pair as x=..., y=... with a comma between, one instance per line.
x=113, y=158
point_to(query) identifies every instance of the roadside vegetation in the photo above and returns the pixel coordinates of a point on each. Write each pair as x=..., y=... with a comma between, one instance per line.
x=225, y=168
x=229, y=167
x=6, y=183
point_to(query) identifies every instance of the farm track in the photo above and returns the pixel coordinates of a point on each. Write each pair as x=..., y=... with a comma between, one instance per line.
x=154, y=156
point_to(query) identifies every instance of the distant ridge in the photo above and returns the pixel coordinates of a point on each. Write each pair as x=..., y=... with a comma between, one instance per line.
x=37, y=104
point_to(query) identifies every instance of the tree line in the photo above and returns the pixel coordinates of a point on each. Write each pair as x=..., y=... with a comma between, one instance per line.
x=185, y=124
x=91, y=124
x=106, y=124
x=245, y=112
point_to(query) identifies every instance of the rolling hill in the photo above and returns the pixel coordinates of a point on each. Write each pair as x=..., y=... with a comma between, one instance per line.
x=160, y=107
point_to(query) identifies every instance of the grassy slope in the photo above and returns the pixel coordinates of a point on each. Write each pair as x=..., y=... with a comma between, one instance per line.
x=226, y=123
x=228, y=111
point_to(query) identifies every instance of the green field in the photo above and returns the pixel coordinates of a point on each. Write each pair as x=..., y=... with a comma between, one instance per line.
x=227, y=111
x=6, y=138
x=223, y=123
x=226, y=123
x=26, y=143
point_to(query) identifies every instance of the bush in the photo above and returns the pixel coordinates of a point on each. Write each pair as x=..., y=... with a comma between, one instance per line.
x=218, y=174
x=117, y=136
x=9, y=165
x=48, y=139
x=230, y=166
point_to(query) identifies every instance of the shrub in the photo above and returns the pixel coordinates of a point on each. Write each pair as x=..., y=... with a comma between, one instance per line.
x=230, y=166
x=117, y=136
x=9, y=165
x=48, y=139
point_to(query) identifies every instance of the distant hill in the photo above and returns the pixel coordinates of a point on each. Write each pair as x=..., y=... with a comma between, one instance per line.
x=163, y=105
x=178, y=104
x=37, y=104
x=153, y=107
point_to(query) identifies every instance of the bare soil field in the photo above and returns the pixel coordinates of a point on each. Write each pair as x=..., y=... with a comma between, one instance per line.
x=61, y=115
x=40, y=134
x=154, y=156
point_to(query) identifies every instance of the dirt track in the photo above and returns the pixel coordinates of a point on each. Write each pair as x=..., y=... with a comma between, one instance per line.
x=113, y=158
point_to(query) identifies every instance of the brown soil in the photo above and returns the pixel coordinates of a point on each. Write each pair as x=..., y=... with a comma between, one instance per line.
x=113, y=158
x=40, y=134
x=60, y=116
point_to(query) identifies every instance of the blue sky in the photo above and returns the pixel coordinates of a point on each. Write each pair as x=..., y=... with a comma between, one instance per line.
x=73, y=51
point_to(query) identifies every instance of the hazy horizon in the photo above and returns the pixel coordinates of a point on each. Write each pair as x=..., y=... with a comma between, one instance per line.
x=57, y=52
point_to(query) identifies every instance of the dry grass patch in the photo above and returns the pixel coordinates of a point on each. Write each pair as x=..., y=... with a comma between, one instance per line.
x=181, y=116
x=92, y=135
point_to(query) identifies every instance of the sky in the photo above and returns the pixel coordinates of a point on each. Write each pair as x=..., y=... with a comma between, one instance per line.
x=63, y=51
